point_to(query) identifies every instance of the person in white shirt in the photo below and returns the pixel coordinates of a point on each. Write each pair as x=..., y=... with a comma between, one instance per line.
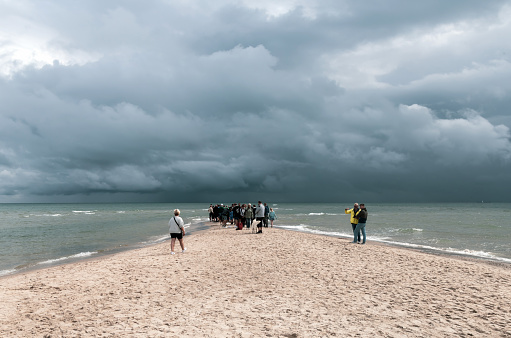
x=259, y=214
x=176, y=230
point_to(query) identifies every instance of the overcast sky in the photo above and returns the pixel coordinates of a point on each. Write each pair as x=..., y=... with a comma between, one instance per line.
x=280, y=100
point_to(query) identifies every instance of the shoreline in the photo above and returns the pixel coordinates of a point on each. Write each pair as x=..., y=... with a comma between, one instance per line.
x=280, y=283
x=202, y=226
x=418, y=248
x=434, y=252
x=207, y=225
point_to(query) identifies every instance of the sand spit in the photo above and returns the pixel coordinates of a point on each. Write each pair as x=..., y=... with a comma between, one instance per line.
x=276, y=284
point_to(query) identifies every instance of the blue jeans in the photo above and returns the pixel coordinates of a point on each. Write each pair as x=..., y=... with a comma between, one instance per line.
x=248, y=222
x=357, y=236
x=361, y=227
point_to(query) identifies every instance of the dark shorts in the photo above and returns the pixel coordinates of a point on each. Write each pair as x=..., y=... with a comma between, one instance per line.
x=176, y=235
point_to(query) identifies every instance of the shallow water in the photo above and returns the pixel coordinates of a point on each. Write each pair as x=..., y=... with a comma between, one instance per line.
x=38, y=235
x=479, y=230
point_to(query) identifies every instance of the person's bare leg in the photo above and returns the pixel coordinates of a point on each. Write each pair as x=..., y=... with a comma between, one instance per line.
x=172, y=244
x=181, y=243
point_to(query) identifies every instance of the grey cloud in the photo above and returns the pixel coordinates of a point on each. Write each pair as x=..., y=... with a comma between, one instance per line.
x=483, y=88
x=176, y=101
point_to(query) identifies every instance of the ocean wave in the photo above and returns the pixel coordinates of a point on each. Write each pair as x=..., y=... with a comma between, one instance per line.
x=6, y=272
x=161, y=239
x=405, y=230
x=306, y=228
x=86, y=212
x=293, y=227
x=463, y=252
x=156, y=240
x=80, y=255
x=42, y=215
x=199, y=220
x=408, y=230
x=316, y=213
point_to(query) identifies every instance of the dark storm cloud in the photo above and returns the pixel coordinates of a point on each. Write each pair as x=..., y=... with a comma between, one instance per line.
x=290, y=100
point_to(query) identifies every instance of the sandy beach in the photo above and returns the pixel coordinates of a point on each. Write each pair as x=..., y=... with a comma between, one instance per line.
x=276, y=284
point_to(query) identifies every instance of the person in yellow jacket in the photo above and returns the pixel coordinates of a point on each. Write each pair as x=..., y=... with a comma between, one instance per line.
x=353, y=218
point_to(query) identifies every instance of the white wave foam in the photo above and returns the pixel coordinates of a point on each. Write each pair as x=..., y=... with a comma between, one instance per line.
x=465, y=252
x=156, y=240
x=200, y=220
x=305, y=228
x=86, y=212
x=80, y=255
x=6, y=272
x=43, y=215
x=300, y=227
x=316, y=213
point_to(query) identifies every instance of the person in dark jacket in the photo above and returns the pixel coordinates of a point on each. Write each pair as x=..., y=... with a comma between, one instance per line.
x=266, y=213
x=361, y=226
x=249, y=215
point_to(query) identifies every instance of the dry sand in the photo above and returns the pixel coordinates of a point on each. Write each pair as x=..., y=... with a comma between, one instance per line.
x=276, y=284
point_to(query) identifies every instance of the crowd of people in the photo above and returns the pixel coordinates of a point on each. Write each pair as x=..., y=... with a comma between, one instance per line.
x=243, y=215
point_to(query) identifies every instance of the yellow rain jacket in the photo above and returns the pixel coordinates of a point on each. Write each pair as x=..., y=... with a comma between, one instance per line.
x=353, y=220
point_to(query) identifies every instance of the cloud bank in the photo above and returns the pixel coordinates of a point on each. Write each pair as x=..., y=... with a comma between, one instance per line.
x=230, y=101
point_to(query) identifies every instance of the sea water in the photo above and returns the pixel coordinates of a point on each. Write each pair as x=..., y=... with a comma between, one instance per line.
x=481, y=230
x=40, y=235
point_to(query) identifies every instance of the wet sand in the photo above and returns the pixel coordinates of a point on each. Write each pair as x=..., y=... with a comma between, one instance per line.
x=276, y=284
